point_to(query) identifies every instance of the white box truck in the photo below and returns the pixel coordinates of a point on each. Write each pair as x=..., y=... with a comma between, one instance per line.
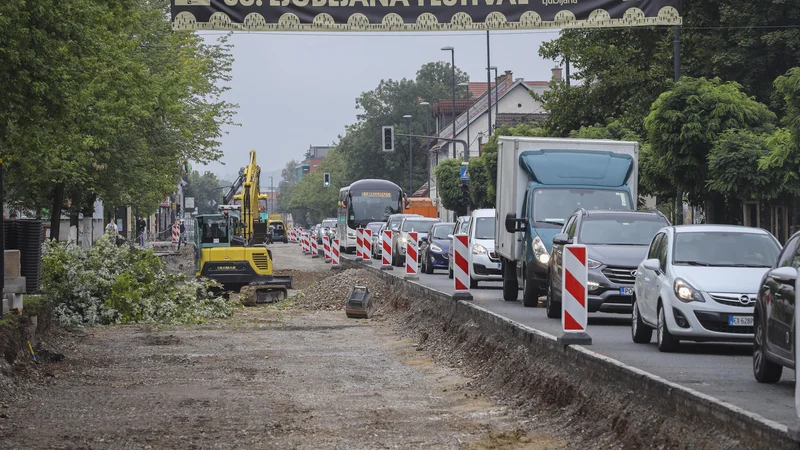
x=540, y=183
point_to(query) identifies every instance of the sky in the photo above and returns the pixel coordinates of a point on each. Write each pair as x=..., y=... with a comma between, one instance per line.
x=295, y=90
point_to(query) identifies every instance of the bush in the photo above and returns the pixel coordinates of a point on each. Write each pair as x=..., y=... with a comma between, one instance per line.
x=109, y=284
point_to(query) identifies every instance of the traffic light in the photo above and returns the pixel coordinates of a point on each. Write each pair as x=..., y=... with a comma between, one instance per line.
x=326, y=179
x=387, y=138
x=465, y=200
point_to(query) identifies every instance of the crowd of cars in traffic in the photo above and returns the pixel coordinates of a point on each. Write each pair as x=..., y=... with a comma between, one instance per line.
x=695, y=283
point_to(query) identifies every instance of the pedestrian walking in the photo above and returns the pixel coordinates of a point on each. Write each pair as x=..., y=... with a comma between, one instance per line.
x=141, y=229
x=183, y=230
x=111, y=229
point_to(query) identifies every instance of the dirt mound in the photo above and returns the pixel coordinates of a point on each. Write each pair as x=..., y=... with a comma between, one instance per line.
x=331, y=293
x=303, y=280
x=179, y=262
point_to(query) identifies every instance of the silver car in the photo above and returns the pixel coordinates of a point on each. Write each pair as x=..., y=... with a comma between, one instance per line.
x=699, y=283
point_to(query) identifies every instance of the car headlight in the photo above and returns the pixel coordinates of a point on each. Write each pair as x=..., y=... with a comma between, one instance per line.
x=593, y=264
x=593, y=286
x=479, y=250
x=403, y=240
x=685, y=292
x=540, y=251
x=436, y=248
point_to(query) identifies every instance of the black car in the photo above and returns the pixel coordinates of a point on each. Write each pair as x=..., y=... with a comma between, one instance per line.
x=774, y=334
x=616, y=242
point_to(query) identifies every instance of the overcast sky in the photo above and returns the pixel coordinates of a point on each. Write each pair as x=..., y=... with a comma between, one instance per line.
x=299, y=89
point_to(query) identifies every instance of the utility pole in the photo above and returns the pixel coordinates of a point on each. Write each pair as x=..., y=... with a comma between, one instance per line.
x=410, y=158
x=677, y=58
x=488, y=83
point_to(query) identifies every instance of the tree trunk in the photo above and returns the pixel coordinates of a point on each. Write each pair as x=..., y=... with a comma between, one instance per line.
x=55, y=213
x=74, y=230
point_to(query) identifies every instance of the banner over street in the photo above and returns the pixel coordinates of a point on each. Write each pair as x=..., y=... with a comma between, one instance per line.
x=419, y=15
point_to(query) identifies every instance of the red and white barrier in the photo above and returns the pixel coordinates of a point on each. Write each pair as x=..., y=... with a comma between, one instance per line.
x=306, y=244
x=335, y=255
x=386, y=250
x=359, y=244
x=412, y=255
x=461, y=263
x=574, y=295
x=326, y=248
x=314, y=247
x=176, y=233
x=366, y=241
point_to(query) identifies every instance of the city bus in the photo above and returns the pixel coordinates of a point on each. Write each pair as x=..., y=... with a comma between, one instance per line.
x=363, y=202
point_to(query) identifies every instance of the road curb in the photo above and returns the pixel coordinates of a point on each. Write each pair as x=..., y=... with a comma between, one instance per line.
x=682, y=401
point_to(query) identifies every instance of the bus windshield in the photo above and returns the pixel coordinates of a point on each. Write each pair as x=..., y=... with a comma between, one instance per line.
x=372, y=206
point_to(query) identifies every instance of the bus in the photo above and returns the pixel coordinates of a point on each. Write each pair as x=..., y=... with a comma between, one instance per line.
x=363, y=202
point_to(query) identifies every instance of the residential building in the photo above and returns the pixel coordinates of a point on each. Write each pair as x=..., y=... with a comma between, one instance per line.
x=511, y=103
x=313, y=158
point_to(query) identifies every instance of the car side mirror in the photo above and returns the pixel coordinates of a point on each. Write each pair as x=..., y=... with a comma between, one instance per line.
x=652, y=264
x=450, y=236
x=513, y=224
x=784, y=273
x=561, y=239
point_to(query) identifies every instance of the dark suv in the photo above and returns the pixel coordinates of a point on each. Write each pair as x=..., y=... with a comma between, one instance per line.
x=774, y=334
x=616, y=242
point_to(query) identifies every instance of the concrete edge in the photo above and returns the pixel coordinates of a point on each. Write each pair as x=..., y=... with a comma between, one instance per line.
x=699, y=402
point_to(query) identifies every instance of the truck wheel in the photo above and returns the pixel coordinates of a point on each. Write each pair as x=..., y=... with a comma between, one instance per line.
x=510, y=283
x=530, y=295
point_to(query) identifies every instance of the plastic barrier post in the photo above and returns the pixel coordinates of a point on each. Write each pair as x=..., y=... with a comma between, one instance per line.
x=335, y=256
x=326, y=248
x=366, y=241
x=386, y=250
x=314, y=247
x=412, y=258
x=461, y=267
x=574, y=296
x=359, y=244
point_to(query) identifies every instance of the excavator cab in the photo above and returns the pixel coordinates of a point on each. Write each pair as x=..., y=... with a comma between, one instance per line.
x=227, y=258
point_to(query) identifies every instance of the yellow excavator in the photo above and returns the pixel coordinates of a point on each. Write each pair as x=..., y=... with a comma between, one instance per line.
x=230, y=246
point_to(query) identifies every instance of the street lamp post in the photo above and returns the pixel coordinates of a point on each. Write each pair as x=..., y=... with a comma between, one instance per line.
x=496, y=103
x=271, y=197
x=469, y=143
x=489, y=82
x=427, y=146
x=410, y=159
x=453, y=66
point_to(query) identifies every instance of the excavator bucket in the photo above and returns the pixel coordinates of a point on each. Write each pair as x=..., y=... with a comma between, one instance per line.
x=269, y=291
x=359, y=303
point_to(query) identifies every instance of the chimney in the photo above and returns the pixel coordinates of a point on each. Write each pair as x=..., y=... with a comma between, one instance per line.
x=556, y=73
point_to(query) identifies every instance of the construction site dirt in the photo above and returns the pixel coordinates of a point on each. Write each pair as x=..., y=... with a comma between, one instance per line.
x=285, y=375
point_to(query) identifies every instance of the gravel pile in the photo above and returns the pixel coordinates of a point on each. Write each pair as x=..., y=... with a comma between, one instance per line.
x=331, y=293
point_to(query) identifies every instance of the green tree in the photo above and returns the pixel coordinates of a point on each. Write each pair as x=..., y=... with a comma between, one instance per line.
x=206, y=190
x=386, y=105
x=448, y=184
x=685, y=122
x=310, y=199
x=733, y=167
x=109, y=103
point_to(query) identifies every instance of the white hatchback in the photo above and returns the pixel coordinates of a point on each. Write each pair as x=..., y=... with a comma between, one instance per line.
x=699, y=283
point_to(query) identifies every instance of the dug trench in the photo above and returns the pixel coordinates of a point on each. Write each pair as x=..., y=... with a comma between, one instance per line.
x=586, y=404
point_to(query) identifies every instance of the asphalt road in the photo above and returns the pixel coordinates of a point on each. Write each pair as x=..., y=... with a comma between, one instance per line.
x=720, y=370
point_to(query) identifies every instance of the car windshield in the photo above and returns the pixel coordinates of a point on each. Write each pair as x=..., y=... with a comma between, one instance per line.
x=553, y=206
x=463, y=227
x=725, y=249
x=375, y=227
x=620, y=231
x=441, y=232
x=484, y=228
x=416, y=225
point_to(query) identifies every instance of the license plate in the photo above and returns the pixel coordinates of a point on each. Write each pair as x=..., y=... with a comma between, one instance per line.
x=499, y=266
x=743, y=321
x=626, y=291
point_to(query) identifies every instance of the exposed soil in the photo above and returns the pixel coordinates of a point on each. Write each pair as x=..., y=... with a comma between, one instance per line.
x=269, y=377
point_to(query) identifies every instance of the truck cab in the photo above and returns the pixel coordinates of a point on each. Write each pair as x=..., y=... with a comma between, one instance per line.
x=541, y=182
